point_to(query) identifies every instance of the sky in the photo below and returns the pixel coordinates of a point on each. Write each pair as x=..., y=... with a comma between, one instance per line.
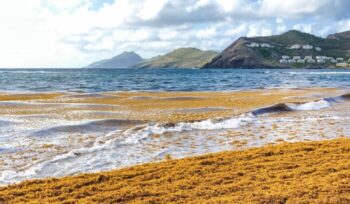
x=74, y=33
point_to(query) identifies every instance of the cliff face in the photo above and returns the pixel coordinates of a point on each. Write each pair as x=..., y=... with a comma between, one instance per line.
x=266, y=52
x=236, y=55
x=339, y=36
x=123, y=60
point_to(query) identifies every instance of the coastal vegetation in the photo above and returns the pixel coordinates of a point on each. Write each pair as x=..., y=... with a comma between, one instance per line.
x=179, y=58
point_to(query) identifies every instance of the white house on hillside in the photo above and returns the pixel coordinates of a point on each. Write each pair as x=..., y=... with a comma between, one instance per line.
x=342, y=64
x=295, y=47
x=296, y=58
x=283, y=61
x=333, y=61
x=308, y=47
x=308, y=57
x=253, y=44
x=265, y=45
x=311, y=61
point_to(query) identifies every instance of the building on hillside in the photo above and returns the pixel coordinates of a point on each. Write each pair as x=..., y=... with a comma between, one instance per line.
x=296, y=58
x=308, y=47
x=321, y=61
x=283, y=61
x=286, y=57
x=295, y=47
x=266, y=45
x=311, y=61
x=340, y=59
x=301, y=61
x=308, y=58
x=253, y=44
x=322, y=57
x=342, y=64
x=292, y=61
x=332, y=60
x=318, y=49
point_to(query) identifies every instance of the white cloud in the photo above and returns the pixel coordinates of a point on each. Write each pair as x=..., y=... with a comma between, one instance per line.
x=206, y=33
x=71, y=33
x=150, y=9
x=65, y=4
x=293, y=8
x=303, y=27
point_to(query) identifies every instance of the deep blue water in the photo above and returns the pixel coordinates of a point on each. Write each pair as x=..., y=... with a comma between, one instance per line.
x=99, y=80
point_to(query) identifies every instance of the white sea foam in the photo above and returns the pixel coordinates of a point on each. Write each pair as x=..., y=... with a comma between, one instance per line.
x=313, y=105
x=320, y=73
x=114, y=147
x=99, y=156
x=133, y=136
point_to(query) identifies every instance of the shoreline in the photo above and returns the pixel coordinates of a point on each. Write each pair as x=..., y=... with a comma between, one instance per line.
x=278, y=173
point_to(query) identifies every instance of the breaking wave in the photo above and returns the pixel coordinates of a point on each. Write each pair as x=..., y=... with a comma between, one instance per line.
x=308, y=106
x=87, y=127
x=321, y=73
x=136, y=134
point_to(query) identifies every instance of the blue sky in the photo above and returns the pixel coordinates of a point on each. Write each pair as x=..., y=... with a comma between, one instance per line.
x=73, y=33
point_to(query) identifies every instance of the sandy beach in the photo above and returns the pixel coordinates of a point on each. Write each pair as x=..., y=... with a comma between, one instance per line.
x=201, y=101
x=308, y=172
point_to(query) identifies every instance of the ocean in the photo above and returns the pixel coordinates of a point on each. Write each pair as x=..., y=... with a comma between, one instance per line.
x=104, y=80
x=59, y=122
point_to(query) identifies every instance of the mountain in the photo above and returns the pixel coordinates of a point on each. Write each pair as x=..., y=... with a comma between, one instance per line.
x=179, y=58
x=293, y=49
x=123, y=60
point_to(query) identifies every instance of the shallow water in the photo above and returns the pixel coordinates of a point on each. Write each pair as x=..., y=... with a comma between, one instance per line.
x=66, y=134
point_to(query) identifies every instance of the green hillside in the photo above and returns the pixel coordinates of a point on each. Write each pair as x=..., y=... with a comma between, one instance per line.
x=330, y=47
x=180, y=58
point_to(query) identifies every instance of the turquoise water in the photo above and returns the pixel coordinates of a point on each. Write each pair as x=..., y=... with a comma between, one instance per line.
x=99, y=80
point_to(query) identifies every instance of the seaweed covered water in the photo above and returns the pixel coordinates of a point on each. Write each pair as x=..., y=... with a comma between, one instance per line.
x=102, y=80
x=59, y=122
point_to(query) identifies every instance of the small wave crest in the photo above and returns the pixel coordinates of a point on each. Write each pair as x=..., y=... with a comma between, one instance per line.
x=320, y=73
x=308, y=106
x=134, y=135
x=5, y=123
x=87, y=127
x=313, y=105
